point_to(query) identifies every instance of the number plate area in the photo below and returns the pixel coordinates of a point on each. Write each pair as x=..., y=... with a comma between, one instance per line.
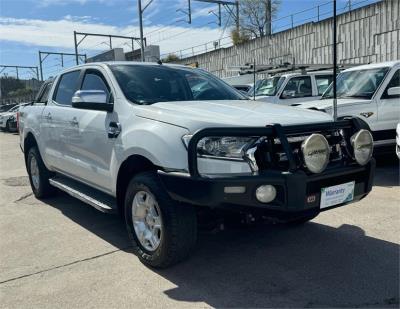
x=331, y=196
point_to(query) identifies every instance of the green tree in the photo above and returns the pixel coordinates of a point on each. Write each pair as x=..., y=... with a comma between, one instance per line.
x=171, y=58
x=9, y=84
x=239, y=37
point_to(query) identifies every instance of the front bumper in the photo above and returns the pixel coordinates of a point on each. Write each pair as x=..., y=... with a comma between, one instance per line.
x=297, y=192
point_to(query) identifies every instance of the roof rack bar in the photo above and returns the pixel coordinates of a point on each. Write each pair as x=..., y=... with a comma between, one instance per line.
x=282, y=68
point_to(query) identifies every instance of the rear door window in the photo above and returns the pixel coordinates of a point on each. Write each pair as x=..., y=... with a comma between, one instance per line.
x=45, y=94
x=66, y=88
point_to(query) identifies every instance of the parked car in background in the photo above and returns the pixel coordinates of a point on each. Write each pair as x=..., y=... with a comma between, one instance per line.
x=161, y=144
x=290, y=88
x=243, y=83
x=8, y=120
x=6, y=107
x=371, y=92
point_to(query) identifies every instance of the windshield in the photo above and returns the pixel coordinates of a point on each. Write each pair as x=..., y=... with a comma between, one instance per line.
x=5, y=108
x=357, y=84
x=14, y=109
x=148, y=84
x=269, y=86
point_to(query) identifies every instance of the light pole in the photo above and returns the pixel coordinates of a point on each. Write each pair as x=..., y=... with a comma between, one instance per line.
x=334, y=63
x=140, y=12
x=141, y=30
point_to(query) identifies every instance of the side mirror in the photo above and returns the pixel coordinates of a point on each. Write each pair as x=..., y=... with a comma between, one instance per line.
x=92, y=99
x=393, y=92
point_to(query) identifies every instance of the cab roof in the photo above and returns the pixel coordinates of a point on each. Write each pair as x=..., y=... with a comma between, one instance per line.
x=374, y=66
x=111, y=63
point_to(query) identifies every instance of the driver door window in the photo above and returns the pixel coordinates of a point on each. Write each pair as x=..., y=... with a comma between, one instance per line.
x=297, y=87
x=94, y=80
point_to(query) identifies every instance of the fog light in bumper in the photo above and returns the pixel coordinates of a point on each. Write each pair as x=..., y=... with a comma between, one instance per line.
x=265, y=193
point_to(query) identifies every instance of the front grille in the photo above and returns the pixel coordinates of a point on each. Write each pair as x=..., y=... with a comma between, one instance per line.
x=271, y=153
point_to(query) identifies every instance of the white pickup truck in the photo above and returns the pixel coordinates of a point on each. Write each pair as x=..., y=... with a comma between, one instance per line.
x=147, y=141
x=371, y=92
x=291, y=88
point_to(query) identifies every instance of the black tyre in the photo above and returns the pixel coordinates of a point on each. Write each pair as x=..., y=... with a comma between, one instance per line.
x=162, y=231
x=8, y=126
x=39, y=175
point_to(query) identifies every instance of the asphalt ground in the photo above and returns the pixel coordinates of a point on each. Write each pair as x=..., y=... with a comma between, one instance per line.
x=61, y=253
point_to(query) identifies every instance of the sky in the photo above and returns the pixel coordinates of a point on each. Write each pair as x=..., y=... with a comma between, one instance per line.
x=27, y=26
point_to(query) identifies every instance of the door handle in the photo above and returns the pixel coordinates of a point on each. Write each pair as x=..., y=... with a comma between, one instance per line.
x=48, y=116
x=74, y=122
x=114, y=129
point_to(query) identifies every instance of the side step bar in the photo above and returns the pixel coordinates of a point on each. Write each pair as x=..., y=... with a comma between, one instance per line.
x=99, y=200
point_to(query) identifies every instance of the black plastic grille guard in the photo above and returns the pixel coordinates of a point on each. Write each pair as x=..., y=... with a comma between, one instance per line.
x=273, y=130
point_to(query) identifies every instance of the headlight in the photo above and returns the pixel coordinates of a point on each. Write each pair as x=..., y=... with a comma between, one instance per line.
x=316, y=151
x=230, y=147
x=363, y=146
x=224, y=147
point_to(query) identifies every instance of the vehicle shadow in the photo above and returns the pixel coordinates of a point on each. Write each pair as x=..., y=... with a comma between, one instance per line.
x=275, y=266
x=313, y=265
x=387, y=171
x=111, y=228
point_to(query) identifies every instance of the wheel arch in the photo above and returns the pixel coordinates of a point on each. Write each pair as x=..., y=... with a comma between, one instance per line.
x=131, y=166
x=29, y=142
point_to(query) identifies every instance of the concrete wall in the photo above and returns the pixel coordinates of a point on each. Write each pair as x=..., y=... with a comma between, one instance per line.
x=368, y=34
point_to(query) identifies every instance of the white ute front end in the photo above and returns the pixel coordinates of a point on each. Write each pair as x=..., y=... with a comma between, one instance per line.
x=370, y=92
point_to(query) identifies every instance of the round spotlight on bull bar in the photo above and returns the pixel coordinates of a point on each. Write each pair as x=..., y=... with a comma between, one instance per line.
x=363, y=146
x=316, y=151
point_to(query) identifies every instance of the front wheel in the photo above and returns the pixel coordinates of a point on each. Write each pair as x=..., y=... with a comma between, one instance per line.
x=162, y=231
